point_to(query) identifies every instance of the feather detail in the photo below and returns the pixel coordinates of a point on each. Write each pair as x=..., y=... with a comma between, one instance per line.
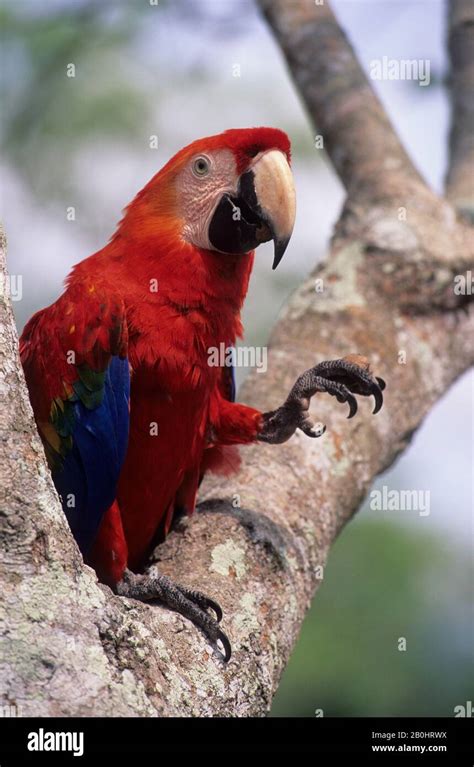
x=78, y=379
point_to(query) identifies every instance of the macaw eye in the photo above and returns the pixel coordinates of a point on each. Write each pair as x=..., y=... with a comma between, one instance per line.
x=201, y=166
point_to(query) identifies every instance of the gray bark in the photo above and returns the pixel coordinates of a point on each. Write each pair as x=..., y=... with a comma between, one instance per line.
x=69, y=646
x=460, y=181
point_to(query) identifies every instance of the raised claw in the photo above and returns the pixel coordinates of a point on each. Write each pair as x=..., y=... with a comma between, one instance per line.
x=353, y=373
x=343, y=379
x=342, y=394
x=352, y=402
x=376, y=391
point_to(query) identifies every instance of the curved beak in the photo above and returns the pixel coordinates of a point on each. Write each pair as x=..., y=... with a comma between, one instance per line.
x=275, y=192
x=263, y=209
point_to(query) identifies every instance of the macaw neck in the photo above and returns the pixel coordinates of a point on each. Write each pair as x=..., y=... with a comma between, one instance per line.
x=170, y=269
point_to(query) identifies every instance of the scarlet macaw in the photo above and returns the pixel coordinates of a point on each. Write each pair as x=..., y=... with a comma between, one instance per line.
x=130, y=413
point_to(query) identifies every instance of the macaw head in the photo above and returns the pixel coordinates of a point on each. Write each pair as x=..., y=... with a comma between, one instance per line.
x=229, y=193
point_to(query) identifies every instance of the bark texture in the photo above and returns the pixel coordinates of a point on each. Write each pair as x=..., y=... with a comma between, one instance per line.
x=460, y=183
x=69, y=646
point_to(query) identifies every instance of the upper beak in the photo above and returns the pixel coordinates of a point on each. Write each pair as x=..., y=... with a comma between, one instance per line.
x=262, y=209
x=276, y=197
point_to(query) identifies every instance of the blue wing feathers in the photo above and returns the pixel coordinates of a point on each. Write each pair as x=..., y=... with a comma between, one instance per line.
x=87, y=480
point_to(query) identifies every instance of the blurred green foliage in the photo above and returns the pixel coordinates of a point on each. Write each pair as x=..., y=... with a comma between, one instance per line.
x=381, y=583
x=47, y=115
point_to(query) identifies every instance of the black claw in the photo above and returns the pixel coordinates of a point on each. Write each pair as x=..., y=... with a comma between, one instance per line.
x=352, y=402
x=222, y=638
x=378, y=397
x=216, y=607
x=189, y=603
x=341, y=379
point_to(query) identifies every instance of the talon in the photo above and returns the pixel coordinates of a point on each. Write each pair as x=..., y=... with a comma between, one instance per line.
x=189, y=603
x=202, y=600
x=216, y=607
x=352, y=402
x=376, y=391
x=341, y=379
x=222, y=638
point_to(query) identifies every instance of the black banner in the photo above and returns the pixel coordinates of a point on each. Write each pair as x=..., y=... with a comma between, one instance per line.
x=377, y=740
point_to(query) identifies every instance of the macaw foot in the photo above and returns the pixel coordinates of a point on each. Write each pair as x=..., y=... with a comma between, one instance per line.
x=189, y=603
x=341, y=378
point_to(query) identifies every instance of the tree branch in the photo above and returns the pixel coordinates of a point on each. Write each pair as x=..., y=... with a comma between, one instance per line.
x=358, y=136
x=460, y=177
x=69, y=646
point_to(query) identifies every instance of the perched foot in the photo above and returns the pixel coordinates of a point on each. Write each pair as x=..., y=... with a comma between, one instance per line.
x=189, y=603
x=341, y=378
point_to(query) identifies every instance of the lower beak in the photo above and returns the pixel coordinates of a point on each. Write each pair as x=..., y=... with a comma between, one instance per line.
x=263, y=209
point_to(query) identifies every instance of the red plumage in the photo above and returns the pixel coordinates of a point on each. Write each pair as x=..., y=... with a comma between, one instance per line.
x=166, y=334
